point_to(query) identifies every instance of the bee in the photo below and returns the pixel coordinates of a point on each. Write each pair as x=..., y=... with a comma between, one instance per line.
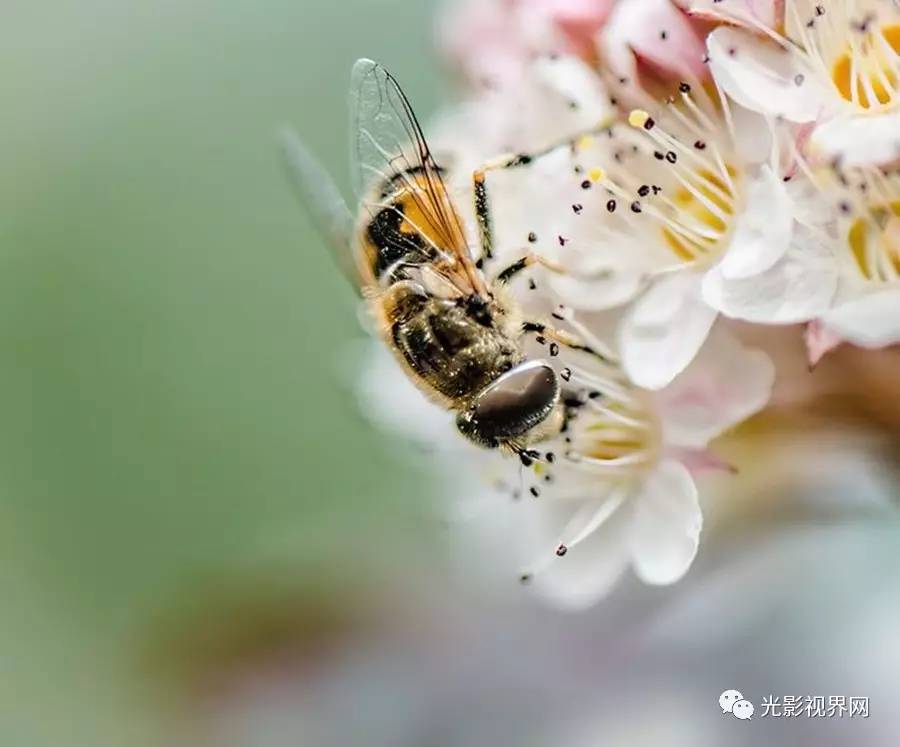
x=454, y=328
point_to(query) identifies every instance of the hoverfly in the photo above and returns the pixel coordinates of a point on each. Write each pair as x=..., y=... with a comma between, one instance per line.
x=452, y=325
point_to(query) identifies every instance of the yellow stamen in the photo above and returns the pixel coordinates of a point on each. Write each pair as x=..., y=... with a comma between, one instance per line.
x=867, y=72
x=877, y=232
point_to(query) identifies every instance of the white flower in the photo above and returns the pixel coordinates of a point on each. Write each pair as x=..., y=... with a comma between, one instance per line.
x=621, y=490
x=553, y=98
x=540, y=208
x=843, y=267
x=687, y=195
x=862, y=234
x=834, y=64
x=616, y=488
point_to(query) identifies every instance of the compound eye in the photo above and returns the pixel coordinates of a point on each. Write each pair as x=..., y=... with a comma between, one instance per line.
x=516, y=402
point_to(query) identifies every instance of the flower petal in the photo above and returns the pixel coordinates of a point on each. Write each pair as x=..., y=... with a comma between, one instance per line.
x=797, y=288
x=819, y=341
x=753, y=137
x=390, y=400
x=763, y=78
x=667, y=522
x=763, y=230
x=597, y=283
x=659, y=33
x=726, y=383
x=872, y=321
x=579, y=20
x=665, y=329
x=858, y=141
x=587, y=571
x=751, y=13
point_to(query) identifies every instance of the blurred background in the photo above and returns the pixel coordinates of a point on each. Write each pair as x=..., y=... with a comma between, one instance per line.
x=201, y=539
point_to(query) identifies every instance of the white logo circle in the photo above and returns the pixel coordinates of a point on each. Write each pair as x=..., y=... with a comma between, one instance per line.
x=728, y=699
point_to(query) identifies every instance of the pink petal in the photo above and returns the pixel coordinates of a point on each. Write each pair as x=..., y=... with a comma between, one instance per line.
x=579, y=20
x=750, y=13
x=701, y=461
x=819, y=341
x=659, y=34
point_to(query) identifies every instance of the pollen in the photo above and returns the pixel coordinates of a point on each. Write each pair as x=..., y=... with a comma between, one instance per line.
x=584, y=142
x=596, y=175
x=638, y=118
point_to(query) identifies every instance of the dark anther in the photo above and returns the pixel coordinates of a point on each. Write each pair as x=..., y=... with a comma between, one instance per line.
x=561, y=550
x=671, y=156
x=611, y=206
x=644, y=190
x=635, y=207
x=554, y=349
x=532, y=237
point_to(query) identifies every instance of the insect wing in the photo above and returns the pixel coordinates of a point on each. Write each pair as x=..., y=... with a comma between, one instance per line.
x=323, y=203
x=390, y=157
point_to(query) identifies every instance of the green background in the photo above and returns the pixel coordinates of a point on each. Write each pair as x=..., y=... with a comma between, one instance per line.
x=172, y=415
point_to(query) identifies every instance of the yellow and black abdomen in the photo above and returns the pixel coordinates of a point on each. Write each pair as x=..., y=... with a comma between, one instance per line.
x=445, y=346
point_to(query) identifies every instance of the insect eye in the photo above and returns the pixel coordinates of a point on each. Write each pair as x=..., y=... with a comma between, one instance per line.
x=513, y=404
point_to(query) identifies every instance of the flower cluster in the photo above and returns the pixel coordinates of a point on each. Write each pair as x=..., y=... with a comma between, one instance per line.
x=691, y=163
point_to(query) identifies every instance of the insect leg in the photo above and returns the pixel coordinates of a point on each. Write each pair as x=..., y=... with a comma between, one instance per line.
x=482, y=203
x=558, y=337
x=508, y=273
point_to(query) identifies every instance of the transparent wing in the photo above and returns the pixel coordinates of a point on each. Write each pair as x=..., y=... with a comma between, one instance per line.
x=322, y=201
x=389, y=156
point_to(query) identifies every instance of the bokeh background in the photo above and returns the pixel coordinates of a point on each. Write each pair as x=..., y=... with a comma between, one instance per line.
x=202, y=541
